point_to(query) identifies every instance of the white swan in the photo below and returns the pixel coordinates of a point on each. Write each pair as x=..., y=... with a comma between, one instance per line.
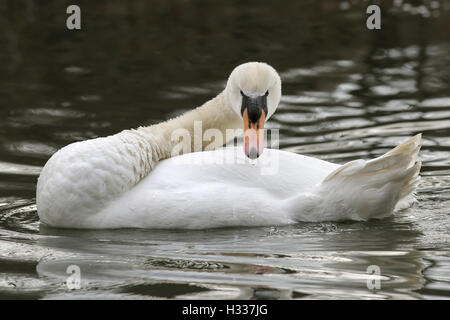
x=115, y=182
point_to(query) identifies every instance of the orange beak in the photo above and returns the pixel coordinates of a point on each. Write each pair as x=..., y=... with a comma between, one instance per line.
x=253, y=135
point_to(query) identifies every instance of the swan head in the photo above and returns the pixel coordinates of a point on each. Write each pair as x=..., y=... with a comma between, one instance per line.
x=253, y=91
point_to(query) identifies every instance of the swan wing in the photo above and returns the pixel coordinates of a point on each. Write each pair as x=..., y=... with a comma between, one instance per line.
x=359, y=190
x=215, y=189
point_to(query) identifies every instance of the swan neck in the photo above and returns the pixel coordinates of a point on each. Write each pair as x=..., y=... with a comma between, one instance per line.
x=205, y=128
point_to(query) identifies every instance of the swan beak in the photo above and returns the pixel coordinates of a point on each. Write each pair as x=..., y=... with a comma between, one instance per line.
x=253, y=135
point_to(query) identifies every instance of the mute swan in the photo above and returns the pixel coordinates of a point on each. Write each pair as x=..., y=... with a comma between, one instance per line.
x=120, y=181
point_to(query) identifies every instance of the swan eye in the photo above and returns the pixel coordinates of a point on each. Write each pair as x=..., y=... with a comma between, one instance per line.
x=242, y=94
x=267, y=93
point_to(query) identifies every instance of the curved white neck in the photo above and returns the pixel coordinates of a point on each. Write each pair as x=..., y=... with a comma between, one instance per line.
x=214, y=114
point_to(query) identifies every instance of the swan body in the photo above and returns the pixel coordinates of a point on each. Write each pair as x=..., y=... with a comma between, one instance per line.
x=133, y=180
x=207, y=190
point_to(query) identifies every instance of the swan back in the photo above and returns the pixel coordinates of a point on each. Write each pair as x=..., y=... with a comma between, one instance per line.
x=206, y=189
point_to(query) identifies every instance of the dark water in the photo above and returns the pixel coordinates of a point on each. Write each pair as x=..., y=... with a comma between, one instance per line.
x=349, y=93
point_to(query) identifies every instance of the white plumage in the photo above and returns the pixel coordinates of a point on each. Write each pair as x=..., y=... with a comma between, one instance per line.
x=121, y=181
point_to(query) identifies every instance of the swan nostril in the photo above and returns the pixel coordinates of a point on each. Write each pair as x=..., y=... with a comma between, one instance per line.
x=253, y=154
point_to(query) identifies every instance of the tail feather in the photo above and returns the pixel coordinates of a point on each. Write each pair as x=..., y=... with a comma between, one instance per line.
x=375, y=188
x=410, y=146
